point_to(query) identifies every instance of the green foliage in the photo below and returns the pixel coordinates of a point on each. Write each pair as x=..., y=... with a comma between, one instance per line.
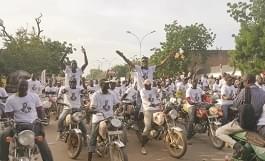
x=121, y=70
x=27, y=51
x=96, y=74
x=195, y=37
x=249, y=55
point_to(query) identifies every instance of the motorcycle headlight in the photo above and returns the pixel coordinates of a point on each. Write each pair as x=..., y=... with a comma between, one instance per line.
x=213, y=111
x=116, y=123
x=26, y=138
x=173, y=114
x=77, y=116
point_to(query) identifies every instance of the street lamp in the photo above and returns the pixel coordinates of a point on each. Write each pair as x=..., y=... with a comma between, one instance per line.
x=1, y=22
x=140, y=41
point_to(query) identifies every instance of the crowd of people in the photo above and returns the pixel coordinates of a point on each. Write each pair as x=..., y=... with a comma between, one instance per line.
x=143, y=89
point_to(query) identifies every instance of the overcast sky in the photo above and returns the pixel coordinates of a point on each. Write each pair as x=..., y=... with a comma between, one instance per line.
x=100, y=25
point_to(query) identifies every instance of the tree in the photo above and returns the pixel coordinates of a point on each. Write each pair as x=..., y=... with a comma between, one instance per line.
x=96, y=74
x=121, y=70
x=195, y=37
x=29, y=51
x=249, y=54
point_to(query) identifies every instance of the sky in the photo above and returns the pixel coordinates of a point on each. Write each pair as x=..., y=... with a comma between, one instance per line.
x=101, y=25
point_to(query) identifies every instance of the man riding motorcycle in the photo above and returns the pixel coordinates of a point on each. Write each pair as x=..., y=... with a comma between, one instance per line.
x=24, y=107
x=257, y=102
x=194, y=98
x=72, y=97
x=228, y=93
x=150, y=105
x=102, y=101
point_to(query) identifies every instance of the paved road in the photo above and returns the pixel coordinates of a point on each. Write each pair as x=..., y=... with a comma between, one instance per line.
x=200, y=149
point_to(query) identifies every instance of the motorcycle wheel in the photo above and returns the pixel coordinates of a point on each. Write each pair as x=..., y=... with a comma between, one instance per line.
x=216, y=142
x=74, y=145
x=177, y=146
x=118, y=154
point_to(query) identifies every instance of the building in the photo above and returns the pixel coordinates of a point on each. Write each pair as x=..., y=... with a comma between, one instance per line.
x=213, y=59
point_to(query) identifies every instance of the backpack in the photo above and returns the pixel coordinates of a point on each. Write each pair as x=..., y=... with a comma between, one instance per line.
x=247, y=117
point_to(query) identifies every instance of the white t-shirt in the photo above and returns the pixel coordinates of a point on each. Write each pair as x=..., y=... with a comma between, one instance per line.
x=205, y=82
x=51, y=90
x=115, y=94
x=171, y=88
x=119, y=91
x=92, y=89
x=228, y=91
x=72, y=97
x=24, y=108
x=2, y=94
x=149, y=97
x=195, y=94
x=131, y=94
x=34, y=86
x=143, y=74
x=180, y=86
x=216, y=87
x=69, y=75
x=102, y=103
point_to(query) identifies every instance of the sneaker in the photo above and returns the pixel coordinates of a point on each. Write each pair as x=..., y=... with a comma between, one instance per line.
x=143, y=151
x=59, y=136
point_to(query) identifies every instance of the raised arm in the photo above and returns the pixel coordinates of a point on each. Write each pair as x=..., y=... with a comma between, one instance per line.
x=62, y=64
x=125, y=59
x=164, y=61
x=85, y=57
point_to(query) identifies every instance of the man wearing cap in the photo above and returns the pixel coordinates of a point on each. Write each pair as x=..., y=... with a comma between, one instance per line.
x=73, y=71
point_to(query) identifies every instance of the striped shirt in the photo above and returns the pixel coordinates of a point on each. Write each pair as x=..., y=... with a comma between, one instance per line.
x=257, y=99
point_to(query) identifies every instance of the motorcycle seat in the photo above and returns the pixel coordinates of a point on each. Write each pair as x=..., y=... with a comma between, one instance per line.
x=255, y=138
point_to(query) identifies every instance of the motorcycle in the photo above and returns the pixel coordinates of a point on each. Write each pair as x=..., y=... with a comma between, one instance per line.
x=164, y=126
x=182, y=115
x=254, y=147
x=85, y=103
x=208, y=119
x=50, y=105
x=111, y=139
x=22, y=144
x=72, y=135
x=126, y=112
